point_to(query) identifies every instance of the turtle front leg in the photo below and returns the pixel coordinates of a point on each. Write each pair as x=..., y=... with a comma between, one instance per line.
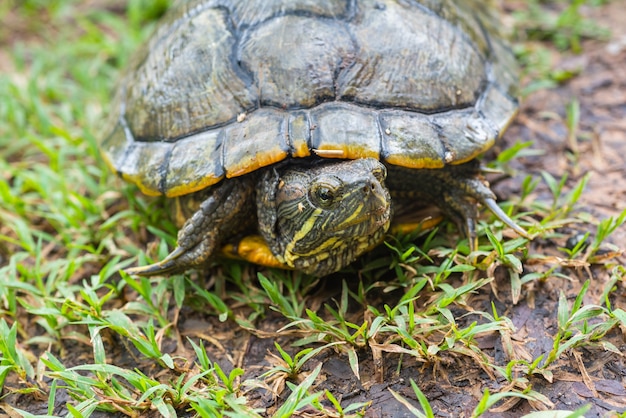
x=226, y=210
x=454, y=189
x=465, y=212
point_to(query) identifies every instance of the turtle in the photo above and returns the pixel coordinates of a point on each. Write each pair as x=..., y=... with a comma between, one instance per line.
x=292, y=132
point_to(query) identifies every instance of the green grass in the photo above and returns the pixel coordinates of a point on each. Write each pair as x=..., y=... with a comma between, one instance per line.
x=542, y=26
x=67, y=226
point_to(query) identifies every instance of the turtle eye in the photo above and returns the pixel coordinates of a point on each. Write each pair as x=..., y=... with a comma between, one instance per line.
x=323, y=194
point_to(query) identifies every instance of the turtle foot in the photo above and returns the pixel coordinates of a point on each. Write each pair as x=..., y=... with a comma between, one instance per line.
x=224, y=211
x=455, y=190
x=177, y=261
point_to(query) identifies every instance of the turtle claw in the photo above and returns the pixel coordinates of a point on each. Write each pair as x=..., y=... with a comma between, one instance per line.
x=168, y=265
x=470, y=231
x=500, y=214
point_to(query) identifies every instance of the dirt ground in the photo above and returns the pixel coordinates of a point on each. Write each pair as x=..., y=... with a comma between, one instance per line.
x=454, y=385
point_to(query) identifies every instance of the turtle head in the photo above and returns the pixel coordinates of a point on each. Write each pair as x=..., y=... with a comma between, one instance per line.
x=319, y=218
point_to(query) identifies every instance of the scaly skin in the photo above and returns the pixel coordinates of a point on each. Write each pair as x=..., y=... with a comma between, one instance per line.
x=224, y=210
x=455, y=189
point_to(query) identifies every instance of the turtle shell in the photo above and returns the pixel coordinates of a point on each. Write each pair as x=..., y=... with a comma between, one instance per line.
x=226, y=87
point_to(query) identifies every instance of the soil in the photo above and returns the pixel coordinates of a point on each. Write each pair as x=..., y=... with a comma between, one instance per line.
x=453, y=384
